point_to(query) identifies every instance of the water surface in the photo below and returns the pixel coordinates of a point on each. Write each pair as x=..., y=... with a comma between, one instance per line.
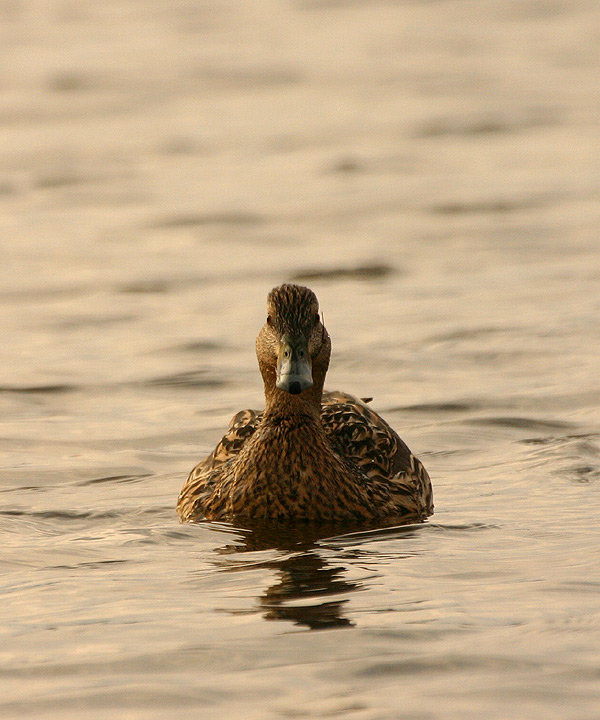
x=430, y=169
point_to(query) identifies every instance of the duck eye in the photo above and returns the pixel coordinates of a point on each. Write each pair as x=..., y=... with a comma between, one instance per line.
x=269, y=320
x=317, y=318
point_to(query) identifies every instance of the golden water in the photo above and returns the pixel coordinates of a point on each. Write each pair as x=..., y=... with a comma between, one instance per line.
x=431, y=170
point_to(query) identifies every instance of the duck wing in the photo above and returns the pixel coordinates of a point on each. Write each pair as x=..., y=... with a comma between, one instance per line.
x=242, y=426
x=203, y=479
x=362, y=436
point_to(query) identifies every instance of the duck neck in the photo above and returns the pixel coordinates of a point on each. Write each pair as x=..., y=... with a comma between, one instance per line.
x=280, y=403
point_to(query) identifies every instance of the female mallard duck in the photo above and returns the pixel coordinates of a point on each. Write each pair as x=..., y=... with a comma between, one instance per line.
x=309, y=455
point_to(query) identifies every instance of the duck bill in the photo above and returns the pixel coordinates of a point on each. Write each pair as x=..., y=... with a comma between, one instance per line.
x=294, y=372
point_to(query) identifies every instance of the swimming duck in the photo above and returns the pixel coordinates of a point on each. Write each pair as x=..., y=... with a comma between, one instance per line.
x=309, y=455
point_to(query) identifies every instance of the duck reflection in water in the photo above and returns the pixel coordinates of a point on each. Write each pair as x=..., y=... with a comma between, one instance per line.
x=305, y=575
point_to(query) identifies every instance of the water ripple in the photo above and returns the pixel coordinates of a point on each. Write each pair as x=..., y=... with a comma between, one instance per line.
x=368, y=271
x=115, y=479
x=39, y=389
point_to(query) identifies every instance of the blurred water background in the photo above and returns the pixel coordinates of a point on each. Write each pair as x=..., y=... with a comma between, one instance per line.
x=432, y=170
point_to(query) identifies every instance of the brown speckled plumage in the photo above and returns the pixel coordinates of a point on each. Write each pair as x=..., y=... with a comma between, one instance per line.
x=317, y=456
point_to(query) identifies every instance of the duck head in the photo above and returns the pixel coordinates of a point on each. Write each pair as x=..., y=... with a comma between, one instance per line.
x=293, y=346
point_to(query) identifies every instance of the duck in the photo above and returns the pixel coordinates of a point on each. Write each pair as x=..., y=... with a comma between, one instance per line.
x=310, y=455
